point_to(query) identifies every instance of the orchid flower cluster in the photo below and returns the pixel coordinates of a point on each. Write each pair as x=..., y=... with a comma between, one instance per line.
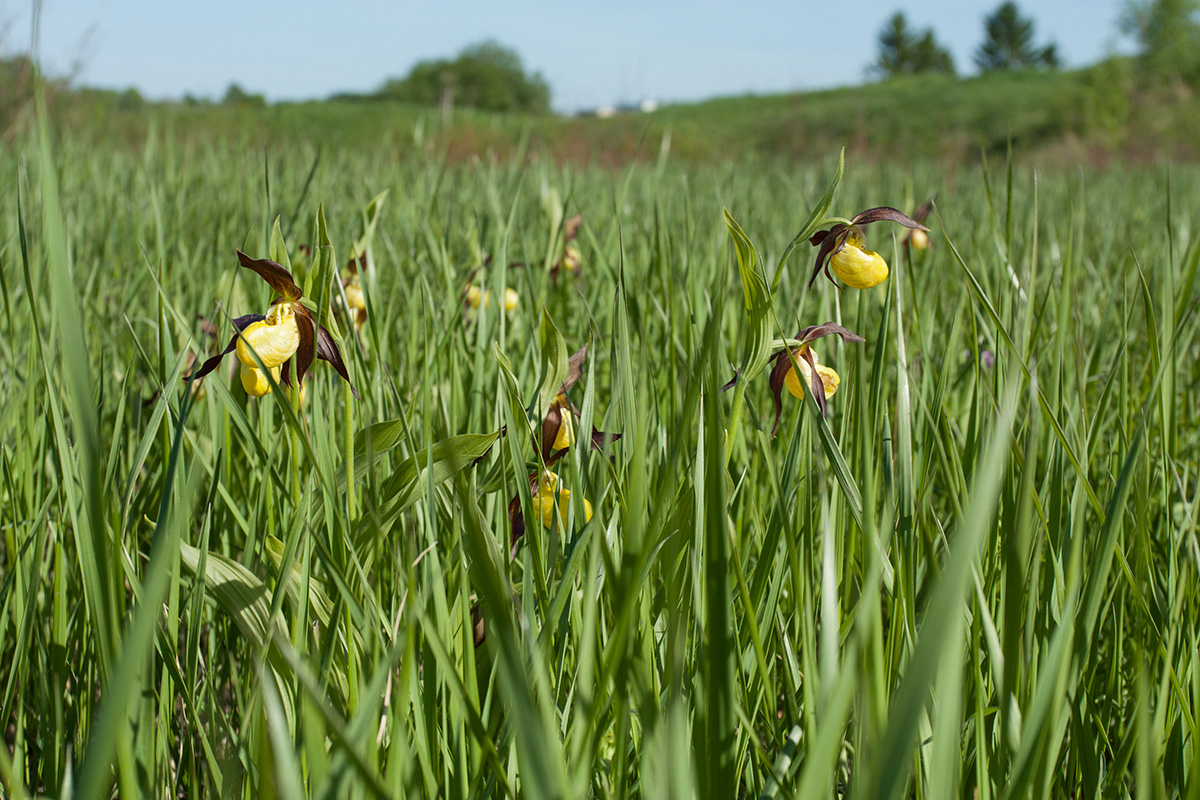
x=842, y=255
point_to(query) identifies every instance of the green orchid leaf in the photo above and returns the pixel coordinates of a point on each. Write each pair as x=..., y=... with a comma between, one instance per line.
x=554, y=363
x=757, y=350
x=448, y=458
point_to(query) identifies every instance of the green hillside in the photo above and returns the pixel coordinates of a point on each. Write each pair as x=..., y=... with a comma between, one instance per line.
x=1091, y=114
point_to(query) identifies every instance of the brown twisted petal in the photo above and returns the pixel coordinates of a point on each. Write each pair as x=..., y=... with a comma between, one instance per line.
x=276, y=276
x=478, y=627
x=830, y=242
x=574, y=369
x=600, y=438
x=778, y=374
x=551, y=425
x=887, y=213
x=924, y=210
x=327, y=350
x=783, y=365
x=239, y=324
x=554, y=420
x=571, y=227
x=516, y=520
x=818, y=385
x=307, y=349
x=814, y=332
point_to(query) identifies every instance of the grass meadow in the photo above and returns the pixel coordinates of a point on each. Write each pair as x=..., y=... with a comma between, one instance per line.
x=977, y=577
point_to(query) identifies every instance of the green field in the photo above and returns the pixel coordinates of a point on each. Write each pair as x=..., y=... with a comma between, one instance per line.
x=1105, y=113
x=980, y=574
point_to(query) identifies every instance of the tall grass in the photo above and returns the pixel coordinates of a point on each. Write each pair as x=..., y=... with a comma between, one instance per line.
x=978, y=575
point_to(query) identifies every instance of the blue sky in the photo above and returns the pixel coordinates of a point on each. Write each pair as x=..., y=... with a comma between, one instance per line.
x=592, y=53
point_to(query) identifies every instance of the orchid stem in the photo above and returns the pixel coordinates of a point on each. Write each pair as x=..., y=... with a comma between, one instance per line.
x=735, y=418
x=294, y=397
x=348, y=397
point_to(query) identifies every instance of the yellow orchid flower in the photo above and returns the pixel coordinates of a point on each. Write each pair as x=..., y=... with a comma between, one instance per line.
x=544, y=501
x=558, y=425
x=275, y=338
x=572, y=258
x=564, y=437
x=354, y=294
x=356, y=301
x=482, y=299
x=556, y=438
x=798, y=384
x=918, y=239
x=842, y=249
x=856, y=266
x=255, y=382
x=821, y=381
x=286, y=330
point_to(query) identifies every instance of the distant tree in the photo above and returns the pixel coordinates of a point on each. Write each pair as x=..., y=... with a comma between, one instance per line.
x=487, y=76
x=130, y=100
x=903, y=51
x=1168, y=36
x=930, y=56
x=1008, y=42
x=235, y=95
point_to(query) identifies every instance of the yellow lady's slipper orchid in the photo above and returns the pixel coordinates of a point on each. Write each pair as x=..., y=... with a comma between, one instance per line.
x=917, y=238
x=571, y=258
x=288, y=329
x=821, y=381
x=477, y=299
x=544, y=501
x=255, y=382
x=842, y=248
x=354, y=294
x=858, y=267
x=798, y=384
x=275, y=339
x=565, y=437
x=558, y=424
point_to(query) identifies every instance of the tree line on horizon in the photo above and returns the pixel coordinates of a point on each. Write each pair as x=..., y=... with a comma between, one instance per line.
x=489, y=76
x=1008, y=43
x=1167, y=33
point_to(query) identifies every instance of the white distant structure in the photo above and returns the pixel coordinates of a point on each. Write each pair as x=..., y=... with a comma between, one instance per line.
x=604, y=112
